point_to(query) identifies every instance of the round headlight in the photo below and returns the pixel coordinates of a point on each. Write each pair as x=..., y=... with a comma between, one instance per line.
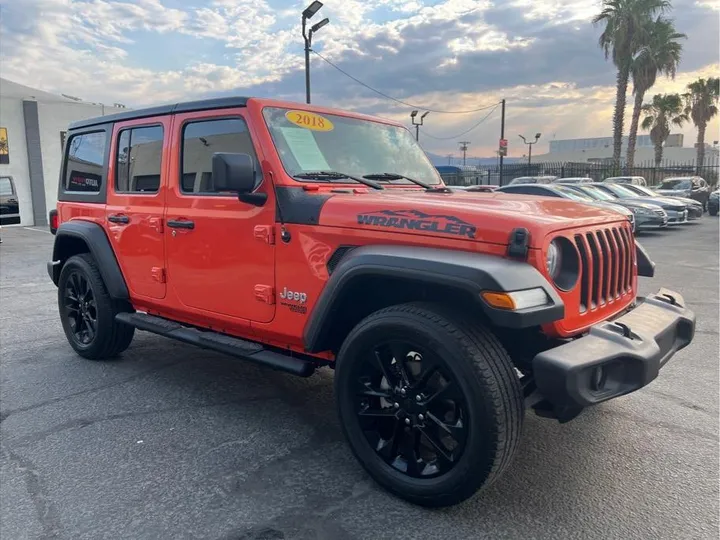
x=552, y=259
x=563, y=263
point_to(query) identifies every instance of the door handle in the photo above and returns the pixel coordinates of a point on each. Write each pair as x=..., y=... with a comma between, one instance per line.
x=181, y=224
x=118, y=218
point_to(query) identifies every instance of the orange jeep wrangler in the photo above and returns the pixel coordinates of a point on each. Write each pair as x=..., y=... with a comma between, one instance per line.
x=296, y=236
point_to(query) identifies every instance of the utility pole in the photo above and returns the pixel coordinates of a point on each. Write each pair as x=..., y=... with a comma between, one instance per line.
x=463, y=147
x=503, y=141
x=449, y=156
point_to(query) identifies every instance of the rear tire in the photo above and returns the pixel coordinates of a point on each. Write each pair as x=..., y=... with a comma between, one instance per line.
x=87, y=311
x=393, y=422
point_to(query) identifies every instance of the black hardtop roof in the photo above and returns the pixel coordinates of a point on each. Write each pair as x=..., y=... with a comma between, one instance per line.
x=185, y=106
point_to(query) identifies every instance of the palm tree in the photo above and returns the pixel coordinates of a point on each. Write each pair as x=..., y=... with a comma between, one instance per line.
x=626, y=26
x=701, y=106
x=661, y=54
x=665, y=109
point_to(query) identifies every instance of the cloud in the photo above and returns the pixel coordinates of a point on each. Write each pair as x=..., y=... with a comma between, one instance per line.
x=541, y=55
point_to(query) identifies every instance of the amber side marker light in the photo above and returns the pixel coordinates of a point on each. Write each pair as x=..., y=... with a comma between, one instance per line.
x=516, y=300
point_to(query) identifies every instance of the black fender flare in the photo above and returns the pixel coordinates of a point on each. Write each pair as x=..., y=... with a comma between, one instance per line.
x=468, y=272
x=95, y=238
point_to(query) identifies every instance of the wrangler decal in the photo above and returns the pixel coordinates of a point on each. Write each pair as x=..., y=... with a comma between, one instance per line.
x=418, y=221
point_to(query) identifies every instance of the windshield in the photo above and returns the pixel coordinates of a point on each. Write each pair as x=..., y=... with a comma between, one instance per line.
x=310, y=142
x=598, y=193
x=573, y=194
x=677, y=183
x=643, y=191
x=621, y=191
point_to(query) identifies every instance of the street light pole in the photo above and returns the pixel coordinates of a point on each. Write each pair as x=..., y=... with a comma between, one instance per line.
x=308, y=13
x=537, y=136
x=417, y=125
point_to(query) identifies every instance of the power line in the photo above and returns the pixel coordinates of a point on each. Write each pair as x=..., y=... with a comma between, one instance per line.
x=399, y=100
x=425, y=134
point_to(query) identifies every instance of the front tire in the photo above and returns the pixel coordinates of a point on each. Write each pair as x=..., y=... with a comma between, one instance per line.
x=430, y=404
x=87, y=311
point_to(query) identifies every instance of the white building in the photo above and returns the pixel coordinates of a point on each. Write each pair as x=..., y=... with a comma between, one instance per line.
x=35, y=124
x=600, y=149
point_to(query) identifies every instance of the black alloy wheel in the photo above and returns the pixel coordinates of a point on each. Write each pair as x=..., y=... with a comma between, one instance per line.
x=429, y=402
x=81, y=308
x=411, y=410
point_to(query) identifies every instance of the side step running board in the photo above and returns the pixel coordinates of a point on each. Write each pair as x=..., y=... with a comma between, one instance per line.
x=215, y=341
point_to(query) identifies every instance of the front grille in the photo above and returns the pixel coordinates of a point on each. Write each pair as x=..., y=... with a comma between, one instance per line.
x=606, y=266
x=659, y=212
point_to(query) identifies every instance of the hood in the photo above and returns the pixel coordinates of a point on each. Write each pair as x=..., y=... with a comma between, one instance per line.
x=611, y=206
x=682, y=200
x=657, y=201
x=633, y=203
x=484, y=217
x=673, y=192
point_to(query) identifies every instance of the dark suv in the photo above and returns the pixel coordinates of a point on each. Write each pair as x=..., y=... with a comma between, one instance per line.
x=692, y=187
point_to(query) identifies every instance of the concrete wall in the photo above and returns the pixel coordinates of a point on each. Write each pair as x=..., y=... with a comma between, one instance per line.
x=54, y=118
x=11, y=117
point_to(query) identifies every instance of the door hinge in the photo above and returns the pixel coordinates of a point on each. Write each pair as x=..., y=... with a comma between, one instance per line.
x=266, y=233
x=265, y=293
x=158, y=274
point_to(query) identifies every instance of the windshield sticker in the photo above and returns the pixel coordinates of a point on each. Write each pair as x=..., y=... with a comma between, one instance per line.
x=418, y=221
x=309, y=120
x=305, y=149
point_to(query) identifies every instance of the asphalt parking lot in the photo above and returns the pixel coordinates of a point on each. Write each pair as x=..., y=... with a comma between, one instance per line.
x=175, y=442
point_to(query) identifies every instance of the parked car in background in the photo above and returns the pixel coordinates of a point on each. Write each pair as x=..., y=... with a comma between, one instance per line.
x=692, y=187
x=647, y=216
x=481, y=188
x=9, y=205
x=532, y=180
x=634, y=180
x=676, y=211
x=713, y=203
x=573, y=180
x=564, y=192
x=695, y=208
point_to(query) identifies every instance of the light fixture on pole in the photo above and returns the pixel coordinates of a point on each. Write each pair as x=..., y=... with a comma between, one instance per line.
x=417, y=125
x=309, y=13
x=537, y=136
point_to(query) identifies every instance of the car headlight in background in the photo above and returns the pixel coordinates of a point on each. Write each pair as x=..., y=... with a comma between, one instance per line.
x=641, y=211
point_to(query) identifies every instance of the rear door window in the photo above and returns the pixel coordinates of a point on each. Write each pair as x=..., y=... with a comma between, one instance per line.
x=139, y=160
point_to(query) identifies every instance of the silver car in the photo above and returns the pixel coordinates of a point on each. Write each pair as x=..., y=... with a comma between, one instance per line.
x=647, y=216
x=532, y=180
x=695, y=208
x=676, y=211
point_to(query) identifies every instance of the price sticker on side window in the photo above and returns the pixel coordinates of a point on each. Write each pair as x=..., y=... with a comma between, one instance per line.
x=309, y=120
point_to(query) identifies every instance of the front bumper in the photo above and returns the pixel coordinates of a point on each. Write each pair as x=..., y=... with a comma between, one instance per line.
x=675, y=218
x=615, y=357
x=643, y=221
x=695, y=212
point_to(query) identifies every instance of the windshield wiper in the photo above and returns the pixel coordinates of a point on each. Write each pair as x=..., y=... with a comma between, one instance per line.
x=396, y=176
x=335, y=175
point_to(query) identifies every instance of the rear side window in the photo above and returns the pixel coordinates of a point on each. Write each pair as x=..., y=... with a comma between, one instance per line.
x=84, y=169
x=200, y=140
x=139, y=160
x=6, y=186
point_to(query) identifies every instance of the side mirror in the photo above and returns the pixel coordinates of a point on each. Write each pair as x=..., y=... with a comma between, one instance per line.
x=233, y=172
x=236, y=173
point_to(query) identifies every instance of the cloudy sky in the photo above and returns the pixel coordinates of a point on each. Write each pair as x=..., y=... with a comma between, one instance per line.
x=541, y=55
